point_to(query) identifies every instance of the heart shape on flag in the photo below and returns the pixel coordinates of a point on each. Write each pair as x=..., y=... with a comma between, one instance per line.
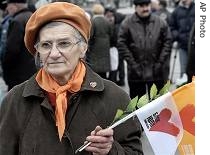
x=187, y=115
x=163, y=125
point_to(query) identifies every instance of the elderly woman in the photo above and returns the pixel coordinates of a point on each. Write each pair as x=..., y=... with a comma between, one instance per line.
x=65, y=103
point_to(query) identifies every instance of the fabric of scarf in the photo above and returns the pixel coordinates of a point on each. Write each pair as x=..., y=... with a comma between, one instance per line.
x=47, y=83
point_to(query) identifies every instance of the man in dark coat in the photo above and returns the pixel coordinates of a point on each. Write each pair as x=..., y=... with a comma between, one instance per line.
x=18, y=65
x=145, y=43
x=181, y=23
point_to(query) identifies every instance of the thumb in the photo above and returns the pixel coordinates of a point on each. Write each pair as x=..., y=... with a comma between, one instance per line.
x=98, y=128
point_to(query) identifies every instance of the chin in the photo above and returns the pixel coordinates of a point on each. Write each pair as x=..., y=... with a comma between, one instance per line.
x=56, y=72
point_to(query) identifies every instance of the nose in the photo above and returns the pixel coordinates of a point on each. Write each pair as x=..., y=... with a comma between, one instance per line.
x=54, y=51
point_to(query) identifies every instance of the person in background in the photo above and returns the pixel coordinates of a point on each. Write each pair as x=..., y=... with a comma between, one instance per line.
x=115, y=18
x=145, y=42
x=154, y=6
x=18, y=65
x=181, y=23
x=3, y=31
x=98, y=56
x=109, y=15
x=65, y=103
x=163, y=12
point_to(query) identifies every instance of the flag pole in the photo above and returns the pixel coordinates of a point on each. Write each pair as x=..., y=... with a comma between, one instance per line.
x=86, y=144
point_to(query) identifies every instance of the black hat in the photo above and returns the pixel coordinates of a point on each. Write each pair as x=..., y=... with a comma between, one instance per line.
x=3, y=5
x=16, y=1
x=137, y=2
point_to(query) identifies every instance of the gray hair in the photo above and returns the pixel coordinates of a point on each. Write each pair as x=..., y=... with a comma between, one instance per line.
x=78, y=35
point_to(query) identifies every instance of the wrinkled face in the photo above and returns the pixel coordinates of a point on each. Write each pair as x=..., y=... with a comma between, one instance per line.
x=60, y=50
x=143, y=10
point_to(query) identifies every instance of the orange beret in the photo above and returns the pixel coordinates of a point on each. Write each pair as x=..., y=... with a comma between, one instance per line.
x=57, y=11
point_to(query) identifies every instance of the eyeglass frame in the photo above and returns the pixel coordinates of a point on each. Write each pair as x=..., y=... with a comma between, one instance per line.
x=56, y=44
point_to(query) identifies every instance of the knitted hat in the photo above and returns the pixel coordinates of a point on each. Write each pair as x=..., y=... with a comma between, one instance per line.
x=137, y=2
x=16, y=1
x=57, y=11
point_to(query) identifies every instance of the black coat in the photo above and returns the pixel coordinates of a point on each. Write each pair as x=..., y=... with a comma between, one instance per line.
x=18, y=64
x=181, y=22
x=146, y=46
x=98, y=55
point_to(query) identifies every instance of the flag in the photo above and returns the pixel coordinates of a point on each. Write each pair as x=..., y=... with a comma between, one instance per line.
x=169, y=122
x=162, y=124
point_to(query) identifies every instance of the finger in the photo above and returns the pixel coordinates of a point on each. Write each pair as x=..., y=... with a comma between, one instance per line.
x=102, y=145
x=100, y=139
x=98, y=128
x=105, y=132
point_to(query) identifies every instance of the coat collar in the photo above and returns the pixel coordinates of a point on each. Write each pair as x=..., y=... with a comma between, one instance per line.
x=92, y=82
x=135, y=18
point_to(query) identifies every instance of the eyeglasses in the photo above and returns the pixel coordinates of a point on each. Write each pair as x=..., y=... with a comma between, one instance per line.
x=64, y=46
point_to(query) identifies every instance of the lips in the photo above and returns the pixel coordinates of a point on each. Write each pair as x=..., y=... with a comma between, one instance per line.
x=54, y=63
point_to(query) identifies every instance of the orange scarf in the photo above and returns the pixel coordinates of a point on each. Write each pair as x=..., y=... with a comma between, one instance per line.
x=47, y=83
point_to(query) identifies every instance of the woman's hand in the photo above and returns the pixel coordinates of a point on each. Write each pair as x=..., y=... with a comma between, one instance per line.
x=101, y=139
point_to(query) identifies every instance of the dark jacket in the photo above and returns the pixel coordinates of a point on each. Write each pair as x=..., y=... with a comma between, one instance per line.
x=99, y=44
x=27, y=121
x=3, y=35
x=117, y=22
x=181, y=22
x=146, y=46
x=18, y=64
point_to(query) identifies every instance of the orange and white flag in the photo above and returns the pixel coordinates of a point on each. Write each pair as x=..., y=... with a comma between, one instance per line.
x=169, y=121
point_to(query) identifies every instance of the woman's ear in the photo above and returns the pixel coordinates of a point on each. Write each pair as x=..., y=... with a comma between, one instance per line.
x=84, y=47
x=37, y=60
